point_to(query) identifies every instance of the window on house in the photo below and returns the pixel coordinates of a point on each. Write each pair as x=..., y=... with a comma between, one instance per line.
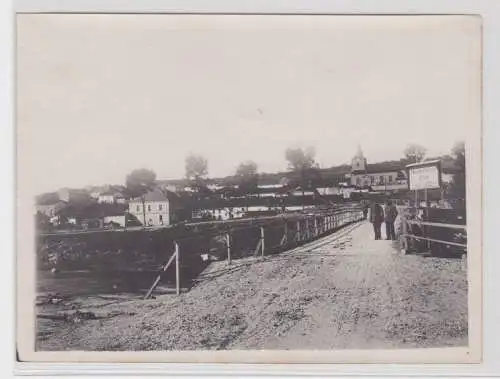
x=160, y=207
x=390, y=178
x=149, y=208
x=381, y=179
x=358, y=181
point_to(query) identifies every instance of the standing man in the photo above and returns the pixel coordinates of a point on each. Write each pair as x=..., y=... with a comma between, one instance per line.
x=391, y=213
x=376, y=218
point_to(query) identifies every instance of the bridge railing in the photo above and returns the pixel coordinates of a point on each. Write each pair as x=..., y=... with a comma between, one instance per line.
x=420, y=233
x=262, y=237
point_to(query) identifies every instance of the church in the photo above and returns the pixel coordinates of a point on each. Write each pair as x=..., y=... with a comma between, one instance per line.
x=385, y=176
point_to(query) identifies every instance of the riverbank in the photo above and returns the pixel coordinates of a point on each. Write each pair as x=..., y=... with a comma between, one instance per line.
x=343, y=292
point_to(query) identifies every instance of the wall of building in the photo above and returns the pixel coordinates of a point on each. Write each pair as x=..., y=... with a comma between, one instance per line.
x=106, y=199
x=157, y=213
x=374, y=179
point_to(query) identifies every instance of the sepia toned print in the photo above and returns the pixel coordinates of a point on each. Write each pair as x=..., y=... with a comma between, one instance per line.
x=212, y=188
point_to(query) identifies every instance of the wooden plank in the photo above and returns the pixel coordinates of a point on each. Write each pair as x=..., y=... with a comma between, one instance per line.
x=439, y=225
x=434, y=240
x=257, y=249
x=285, y=235
x=158, y=278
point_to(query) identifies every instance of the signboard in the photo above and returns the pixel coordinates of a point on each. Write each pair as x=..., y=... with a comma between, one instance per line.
x=425, y=175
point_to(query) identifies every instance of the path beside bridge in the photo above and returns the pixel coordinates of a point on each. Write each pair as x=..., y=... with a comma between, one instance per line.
x=343, y=291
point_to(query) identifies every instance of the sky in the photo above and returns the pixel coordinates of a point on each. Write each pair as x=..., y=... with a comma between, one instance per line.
x=101, y=95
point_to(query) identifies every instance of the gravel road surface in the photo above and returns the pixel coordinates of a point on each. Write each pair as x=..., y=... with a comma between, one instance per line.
x=343, y=291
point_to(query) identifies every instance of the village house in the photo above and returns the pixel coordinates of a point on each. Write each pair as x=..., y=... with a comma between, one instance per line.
x=110, y=197
x=156, y=208
x=106, y=198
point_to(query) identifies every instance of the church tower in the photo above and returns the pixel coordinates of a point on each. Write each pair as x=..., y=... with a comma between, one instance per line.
x=358, y=164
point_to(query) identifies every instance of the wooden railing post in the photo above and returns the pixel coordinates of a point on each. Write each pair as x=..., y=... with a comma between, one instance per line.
x=177, y=270
x=404, y=232
x=228, y=242
x=263, y=241
x=284, y=238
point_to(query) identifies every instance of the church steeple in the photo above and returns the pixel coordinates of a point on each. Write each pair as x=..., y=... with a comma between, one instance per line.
x=359, y=153
x=358, y=163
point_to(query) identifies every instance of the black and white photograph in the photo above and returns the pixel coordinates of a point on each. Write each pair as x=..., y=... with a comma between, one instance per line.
x=299, y=185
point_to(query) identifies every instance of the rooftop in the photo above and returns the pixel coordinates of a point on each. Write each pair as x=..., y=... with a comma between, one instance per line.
x=156, y=195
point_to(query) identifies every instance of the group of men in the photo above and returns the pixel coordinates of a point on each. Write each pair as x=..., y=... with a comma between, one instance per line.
x=378, y=215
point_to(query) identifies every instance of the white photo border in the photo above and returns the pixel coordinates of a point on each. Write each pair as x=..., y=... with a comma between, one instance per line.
x=491, y=18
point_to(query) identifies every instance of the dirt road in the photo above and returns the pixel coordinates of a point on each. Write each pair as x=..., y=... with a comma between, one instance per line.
x=344, y=291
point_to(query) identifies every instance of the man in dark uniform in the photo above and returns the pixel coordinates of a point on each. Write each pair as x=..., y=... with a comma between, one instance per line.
x=390, y=216
x=376, y=218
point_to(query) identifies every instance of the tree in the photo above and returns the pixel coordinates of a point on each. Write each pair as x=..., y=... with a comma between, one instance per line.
x=138, y=183
x=196, y=172
x=457, y=189
x=302, y=162
x=247, y=176
x=300, y=159
x=414, y=153
x=196, y=167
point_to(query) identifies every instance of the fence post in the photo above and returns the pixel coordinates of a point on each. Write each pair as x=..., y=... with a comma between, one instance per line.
x=177, y=270
x=284, y=239
x=262, y=239
x=404, y=232
x=228, y=242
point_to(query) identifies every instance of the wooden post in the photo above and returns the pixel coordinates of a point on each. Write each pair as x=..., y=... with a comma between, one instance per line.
x=307, y=229
x=316, y=227
x=177, y=270
x=284, y=238
x=404, y=232
x=298, y=231
x=426, y=228
x=262, y=239
x=285, y=233
x=158, y=278
x=228, y=242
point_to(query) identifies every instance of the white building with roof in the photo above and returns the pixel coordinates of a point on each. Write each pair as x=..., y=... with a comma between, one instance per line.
x=155, y=208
